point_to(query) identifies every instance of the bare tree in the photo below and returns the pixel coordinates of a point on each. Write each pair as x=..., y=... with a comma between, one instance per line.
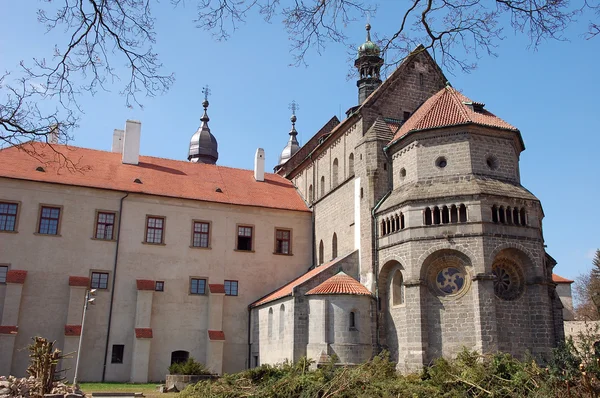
x=104, y=33
x=587, y=292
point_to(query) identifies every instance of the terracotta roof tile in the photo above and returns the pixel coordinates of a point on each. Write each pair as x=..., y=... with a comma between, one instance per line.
x=16, y=276
x=82, y=281
x=340, y=283
x=163, y=177
x=216, y=335
x=9, y=329
x=560, y=279
x=287, y=290
x=72, y=330
x=216, y=288
x=449, y=108
x=144, y=284
x=143, y=333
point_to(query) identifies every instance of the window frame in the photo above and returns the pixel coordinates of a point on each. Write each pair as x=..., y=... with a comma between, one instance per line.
x=115, y=224
x=102, y=272
x=208, y=240
x=112, y=356
x=237, y=236
x=237, y=285
x=16, y=226
x=7, y=266
x=157, y=284
x=42, y=206
x=198, y=278
x=163, y=229
x=290, y=252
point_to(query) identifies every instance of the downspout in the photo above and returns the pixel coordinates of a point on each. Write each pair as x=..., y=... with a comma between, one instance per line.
x=249, y=335
x=112, y=292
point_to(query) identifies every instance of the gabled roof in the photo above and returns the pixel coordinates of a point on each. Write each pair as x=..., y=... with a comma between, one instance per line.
x=450, y=108
x=560, y=279
x=287, y=289
x=340, y=283
x=156, y=176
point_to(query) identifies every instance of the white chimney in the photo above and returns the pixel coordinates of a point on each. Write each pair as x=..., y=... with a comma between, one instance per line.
x=259, y=165
x=117, y=145
x=53, y=134
x=131, y=142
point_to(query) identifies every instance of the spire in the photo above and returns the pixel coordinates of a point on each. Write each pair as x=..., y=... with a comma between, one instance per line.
x=203, y=145
x=369, y=65
x=292, y=146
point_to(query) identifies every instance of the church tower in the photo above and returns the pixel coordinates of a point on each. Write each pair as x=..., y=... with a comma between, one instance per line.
x=203, y=145
x=369, y=65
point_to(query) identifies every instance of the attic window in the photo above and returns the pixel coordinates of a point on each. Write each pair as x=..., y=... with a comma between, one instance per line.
x=476, y=106
x=218, y=190
x=40, y=168
x=137, y=181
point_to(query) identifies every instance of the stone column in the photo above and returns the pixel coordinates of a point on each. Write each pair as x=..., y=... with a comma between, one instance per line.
x=416, y=335
x=484, y=314
x=140, y=357
x=15, y=279
x=216, y=336
x=77, y=287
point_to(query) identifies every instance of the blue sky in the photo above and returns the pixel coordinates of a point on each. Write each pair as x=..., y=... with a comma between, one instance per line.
x=550, y=94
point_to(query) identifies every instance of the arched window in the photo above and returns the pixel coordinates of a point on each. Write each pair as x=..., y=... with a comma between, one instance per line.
x=502, y=215
x=427, y=216
x=397, y=289
x=494, y=213
x=388, y=226
x=334, y=246
x=445, y=215
x=462, y=213
x=516, y=216
x=179, y=357
x=352, y=320
x=270, y=324
x=509, y=215
x=397, y=220
x=310, y=194
x=402, y=221
x=321, y=253
x=281, y=321
x=436, y=215
x=351, y=165
x=453, y=214
x=334, y=173
x=523, y=217
x=322, y=186
x=383, y=231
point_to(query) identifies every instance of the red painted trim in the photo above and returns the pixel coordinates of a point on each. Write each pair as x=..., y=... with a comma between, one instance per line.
x=216, y=288
x=143, y=333
x=82, y=281
x=9, y=329
x=144, y=284
x=16, y=276
x=72, y=330
x=216, y=335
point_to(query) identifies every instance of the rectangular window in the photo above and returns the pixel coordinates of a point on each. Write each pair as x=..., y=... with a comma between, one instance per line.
x=231, y=288
x=8, y=216
x=3, y=272
x=105, y=225
x=99, y=280
x=49, y=220
x=197, y=286
x=244, y=241
x=159, y=286
x=201, y=234
x=283, y=241
x=117, y=353
x=155, y=227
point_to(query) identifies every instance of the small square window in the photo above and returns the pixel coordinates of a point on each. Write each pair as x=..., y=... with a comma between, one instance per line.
x=231, y=288
x=117, y=353
x=201, y=234
x=244, y=241
x=8, y=216
x=283, y=241
x=197, y=286
x=3, y=272
x=159, y=286
x=155, y=227
x=99, y=280
x=49, y=220
x=105, y=225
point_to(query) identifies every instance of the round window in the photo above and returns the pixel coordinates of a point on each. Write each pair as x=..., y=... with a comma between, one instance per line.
x=450, y=280
x=441, y=162
x=403, y=172
x=492, y=162
x=509, y=281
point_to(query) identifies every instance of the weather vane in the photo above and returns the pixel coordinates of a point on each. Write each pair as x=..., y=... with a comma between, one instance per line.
x=206, y=92
x=294, y=107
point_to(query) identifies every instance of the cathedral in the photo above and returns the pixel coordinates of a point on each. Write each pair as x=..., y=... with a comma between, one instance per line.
x=403, y=227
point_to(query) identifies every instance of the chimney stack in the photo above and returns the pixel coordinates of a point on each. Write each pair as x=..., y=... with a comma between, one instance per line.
x=259, y=165
x=131, y=142
x=117, y=144
x=53, y=134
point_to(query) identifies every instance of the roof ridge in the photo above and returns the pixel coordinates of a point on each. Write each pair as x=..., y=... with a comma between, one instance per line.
x=459, y=103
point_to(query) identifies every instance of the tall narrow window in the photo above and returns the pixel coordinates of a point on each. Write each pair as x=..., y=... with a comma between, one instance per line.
x=283, y=239
x=321, y=250
x=388, y=226
x=334, y=246
x=462, y=213
x=105, y=225
x=231, y=288
x=445, y=215
x=494, y=213
x=523, y=217
x=155, y=228
x=352, y=320
x=516, y=216
x=99, y=280
x=49, y=220
x=509, y=215
x=436, y=215
x=322, y=186
x=8, y=216
x=270, y=324
x=397, y=289
x=117, y=353
x=281, y=321
x=502, y=215
x=402, y=225
x=351, y=165
x=3, y=272
x=197, y=286
x=201, y=234
x=244, y=240
x=334, y=173
x=383, y=231
x=453, y=214
x=427, y=216
x=310, y=194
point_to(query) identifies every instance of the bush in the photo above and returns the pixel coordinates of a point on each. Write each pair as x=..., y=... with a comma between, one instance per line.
x=190, y=367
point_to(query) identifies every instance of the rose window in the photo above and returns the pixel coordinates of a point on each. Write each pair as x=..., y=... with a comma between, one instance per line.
x=450, y=280
x=509, y=281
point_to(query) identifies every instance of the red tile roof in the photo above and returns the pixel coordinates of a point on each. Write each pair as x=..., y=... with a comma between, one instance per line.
x=144, y=284
x=449, y=108
x=163, y=177
x=82, y=281
x=560, y=279
x=287, y=290
x=143, y=333
x=216, y=335
x=16, y=276
x=9, y=329
x=216, y=288
x=340, y=283
x=72, y=330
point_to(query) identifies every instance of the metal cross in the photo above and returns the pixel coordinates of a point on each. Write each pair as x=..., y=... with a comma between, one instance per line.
x=206, y=92
x=294, y=107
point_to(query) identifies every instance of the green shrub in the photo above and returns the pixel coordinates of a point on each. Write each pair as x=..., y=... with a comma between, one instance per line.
x=190, y=367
